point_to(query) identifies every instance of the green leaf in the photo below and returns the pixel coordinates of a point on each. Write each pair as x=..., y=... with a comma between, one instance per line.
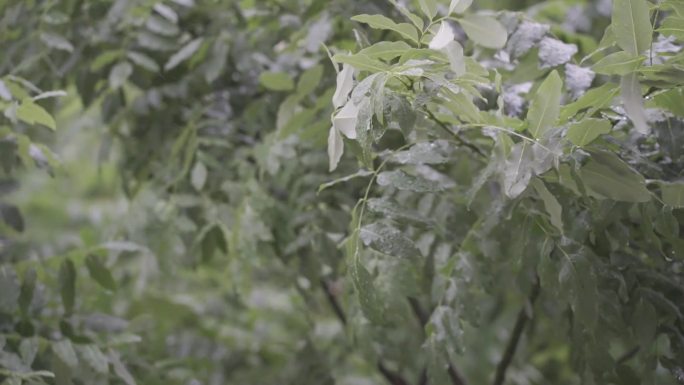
x=673, y=194
x=362, y=62
x=673, y=25
x=415, y=19
x=56, y=41
x=94, y=357
x=28, y=285
x=632, y=25
x=634, y=102
x=335, y=148
x=484, y=30
x=545, y=106
x=454, y=52
x=386, y=50
x=424, y=153
x=119, y=74
x=429, y=8
x=381, y=22
x=198, y=176
x=553, y=208
x=595, y=98
x=276, y=81
x=388, y=240
x=183, y=54
x=119, y=368
x=403, y=181
x=9, y=287
x=610, y=177
x=459, y=6
x=618, y=63
x=370, y=302
x=66, y=353
x=310, y=80
x=587, y=130
x=99, y=272
x=143, y=61
x=67, y=285
x=28, y=349
x=32, y=113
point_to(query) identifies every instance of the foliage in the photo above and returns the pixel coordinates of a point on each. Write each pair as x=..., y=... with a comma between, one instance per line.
x=499, y=200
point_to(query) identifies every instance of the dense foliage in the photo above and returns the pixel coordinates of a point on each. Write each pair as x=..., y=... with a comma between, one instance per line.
x=314, y=192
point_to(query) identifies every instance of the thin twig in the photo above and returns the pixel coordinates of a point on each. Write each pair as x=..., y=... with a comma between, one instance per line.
x=457, y=137
x=516, y=335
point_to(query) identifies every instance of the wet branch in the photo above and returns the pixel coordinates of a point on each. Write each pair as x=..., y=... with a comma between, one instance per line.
x=518, y=329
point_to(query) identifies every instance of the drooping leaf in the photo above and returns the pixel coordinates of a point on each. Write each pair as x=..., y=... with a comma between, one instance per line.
x=586, y=131
x=67, y=285
x=632, y=25
x=28, y=285
x=551, y=204
x=66, y=353
x=335, y=148
x=429, y=8
x=673, y=25
x=388, y=240
x=9, y=286
x=484, y=30
x=119, y=74
x=618, y=63
x=443, y=37
x=459, y=6
x=610, y=177
x=362, y=62
x=100, y=273
x=386, y=50
x=436, y=152
x=403, y=181
x=32, y=113
x=345, y=120
x=94, y=357
x=545, y=106
x=634, y=102
x=381, y=22
x=454, y=52
x=595, y=99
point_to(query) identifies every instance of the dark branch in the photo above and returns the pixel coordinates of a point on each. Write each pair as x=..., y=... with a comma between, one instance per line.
x=333, y=302
x=457, y=137
x=515, y=336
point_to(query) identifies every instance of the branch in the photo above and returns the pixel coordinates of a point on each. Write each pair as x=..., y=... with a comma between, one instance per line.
x=515, y=336
x=391, y=377
x=458, y=138
x=424, y=318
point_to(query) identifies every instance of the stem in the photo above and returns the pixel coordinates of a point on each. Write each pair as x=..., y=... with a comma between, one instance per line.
x=516, y=335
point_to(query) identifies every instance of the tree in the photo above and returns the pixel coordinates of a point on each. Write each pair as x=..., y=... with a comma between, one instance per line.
x=499, y=200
